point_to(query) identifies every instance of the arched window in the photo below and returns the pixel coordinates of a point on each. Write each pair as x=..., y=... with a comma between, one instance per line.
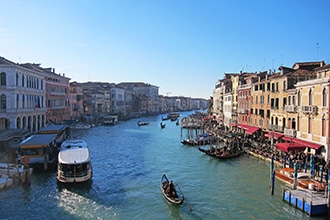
x=23, y=101
x=17, y=77
x=324, y=98
x=268, y=99
x=324, y=127
x=299, y=98
x=3, y=79
x=17, y=101
x=3, y=101
x=18, y=123
x=23, y=78
x=310, y=97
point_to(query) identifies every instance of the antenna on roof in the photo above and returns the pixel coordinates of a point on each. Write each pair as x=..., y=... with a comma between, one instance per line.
x=317, y=51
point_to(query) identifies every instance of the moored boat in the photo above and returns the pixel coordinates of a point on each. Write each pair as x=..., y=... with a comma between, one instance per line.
x=169, y=191
x=80, y=126
x=304, y=180
x=5, y=181
x=228, y=154
x=223, y=152
x=74, y=164
x=204, y=139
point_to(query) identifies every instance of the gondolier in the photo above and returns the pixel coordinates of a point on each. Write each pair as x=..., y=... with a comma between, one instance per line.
x=169, y=191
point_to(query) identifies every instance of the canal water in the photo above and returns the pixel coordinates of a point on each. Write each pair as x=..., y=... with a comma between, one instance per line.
x=128, y=162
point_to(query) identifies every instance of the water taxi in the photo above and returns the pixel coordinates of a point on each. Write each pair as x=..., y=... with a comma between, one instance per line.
x=74, y=164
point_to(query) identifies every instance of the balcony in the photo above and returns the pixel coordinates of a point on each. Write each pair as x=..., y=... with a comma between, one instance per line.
x=242, y=111
x=290, y=132
x=290, y=108
x=307, y=109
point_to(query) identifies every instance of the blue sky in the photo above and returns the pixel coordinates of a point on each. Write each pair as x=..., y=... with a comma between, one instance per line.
x=181, y=46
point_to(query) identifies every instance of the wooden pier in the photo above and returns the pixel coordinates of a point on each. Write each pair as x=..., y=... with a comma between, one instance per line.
x=310, y=202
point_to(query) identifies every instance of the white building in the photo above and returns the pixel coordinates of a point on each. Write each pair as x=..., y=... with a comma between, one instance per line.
x=22, y=97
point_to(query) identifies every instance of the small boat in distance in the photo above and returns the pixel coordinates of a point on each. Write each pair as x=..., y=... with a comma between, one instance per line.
x=169, y=192
x=173, y=116
x=74, y=163
x=139, y=123
x=162, y=125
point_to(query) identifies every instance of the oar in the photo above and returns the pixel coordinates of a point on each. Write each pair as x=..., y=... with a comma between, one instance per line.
x=184, y=198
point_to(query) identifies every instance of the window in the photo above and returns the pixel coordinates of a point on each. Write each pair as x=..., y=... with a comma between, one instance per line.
x=268, y=99
x=3, y=101
x=3, y=79
x=299, y=98
x=310, y=97
x=324, y=127
x=289, y=100
x=17, y=101
x=324, y=98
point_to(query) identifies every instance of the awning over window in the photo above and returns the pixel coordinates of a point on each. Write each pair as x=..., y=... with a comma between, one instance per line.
x=275, y=135
x=286, y=147
x=248, y=129
x=243, y=126
x=233, y=124
x=251, y=130
x=303, y=142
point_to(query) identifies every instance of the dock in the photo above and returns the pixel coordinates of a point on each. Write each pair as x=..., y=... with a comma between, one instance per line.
x=310, y=202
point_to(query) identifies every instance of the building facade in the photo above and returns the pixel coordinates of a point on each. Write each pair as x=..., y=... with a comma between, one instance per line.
x=23, y=97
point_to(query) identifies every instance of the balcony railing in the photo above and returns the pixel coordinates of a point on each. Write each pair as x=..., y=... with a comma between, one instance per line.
x=290, y=132
x=290, y=108
x=309, y=109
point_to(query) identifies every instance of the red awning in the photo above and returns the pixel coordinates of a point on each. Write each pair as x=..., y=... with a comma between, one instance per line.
x=286, y=147
x=302, y=142
x=275, y=135
x=251, y=130
x=243, y=126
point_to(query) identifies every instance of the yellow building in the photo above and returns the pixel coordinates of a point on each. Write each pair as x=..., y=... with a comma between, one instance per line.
x=313, y=111
x=259, y=104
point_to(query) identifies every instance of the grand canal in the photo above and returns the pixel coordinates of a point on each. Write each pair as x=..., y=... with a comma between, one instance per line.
x=128, y=162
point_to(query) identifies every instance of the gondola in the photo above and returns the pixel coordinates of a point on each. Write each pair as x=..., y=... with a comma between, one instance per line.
x=162, y=125
x=142, y=123
x=229, y=155
x=170, y=196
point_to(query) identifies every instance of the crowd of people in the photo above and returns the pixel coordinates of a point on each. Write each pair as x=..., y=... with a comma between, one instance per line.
x=264, y=147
